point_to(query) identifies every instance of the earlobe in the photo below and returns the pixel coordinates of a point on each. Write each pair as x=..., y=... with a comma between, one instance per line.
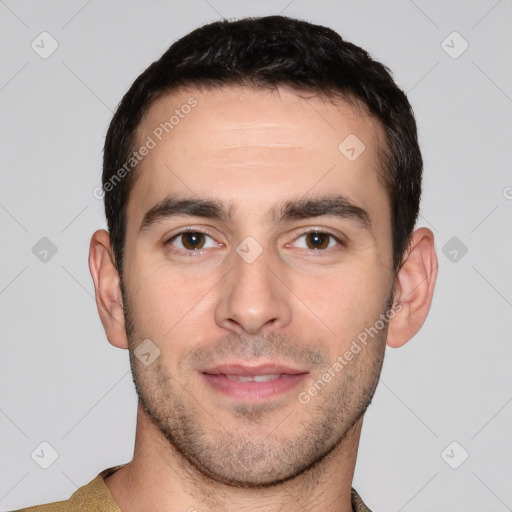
x=414, y=288
x=108, y=289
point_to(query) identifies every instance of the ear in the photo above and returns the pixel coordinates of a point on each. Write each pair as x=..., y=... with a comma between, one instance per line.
x=414, y=288
x=108, y=288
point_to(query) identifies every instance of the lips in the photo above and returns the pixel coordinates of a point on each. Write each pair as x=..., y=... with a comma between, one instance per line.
x=250, y=371
x=253, y=383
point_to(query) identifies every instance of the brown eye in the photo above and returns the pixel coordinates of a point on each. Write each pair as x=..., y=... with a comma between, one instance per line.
x=318, y=240
x=193, y=241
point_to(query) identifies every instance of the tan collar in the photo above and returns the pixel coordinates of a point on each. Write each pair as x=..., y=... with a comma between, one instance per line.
x=357, y=503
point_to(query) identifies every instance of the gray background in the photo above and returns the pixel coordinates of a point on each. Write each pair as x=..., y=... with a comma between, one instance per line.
x=60, y=380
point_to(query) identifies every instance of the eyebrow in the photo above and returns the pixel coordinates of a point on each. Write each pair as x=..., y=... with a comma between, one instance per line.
x=337, y=206
x=174, y=207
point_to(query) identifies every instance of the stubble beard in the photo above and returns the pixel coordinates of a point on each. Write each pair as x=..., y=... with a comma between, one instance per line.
x=234, y=456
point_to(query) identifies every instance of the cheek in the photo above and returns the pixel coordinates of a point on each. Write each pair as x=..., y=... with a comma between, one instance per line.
x=342, y=305
x=169, y=307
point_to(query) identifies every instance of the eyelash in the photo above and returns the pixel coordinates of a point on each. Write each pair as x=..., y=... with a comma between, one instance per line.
x=320, y=232
x=199, y=251
x=183, y=232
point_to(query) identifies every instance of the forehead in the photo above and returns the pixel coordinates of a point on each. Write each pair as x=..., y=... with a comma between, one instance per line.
x=254, y=147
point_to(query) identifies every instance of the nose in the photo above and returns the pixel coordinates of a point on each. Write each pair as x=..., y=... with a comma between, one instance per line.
x=252, y=298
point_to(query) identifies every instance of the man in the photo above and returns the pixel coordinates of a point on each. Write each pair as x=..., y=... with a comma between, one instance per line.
x=262, y=182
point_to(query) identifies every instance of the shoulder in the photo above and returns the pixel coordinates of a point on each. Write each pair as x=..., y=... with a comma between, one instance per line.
x=357, y=503
x=93, y=497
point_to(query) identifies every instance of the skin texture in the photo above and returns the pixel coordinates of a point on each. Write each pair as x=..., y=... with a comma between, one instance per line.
x=252, y=151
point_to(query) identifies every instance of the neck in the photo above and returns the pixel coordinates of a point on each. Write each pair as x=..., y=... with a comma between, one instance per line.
x=161, y=479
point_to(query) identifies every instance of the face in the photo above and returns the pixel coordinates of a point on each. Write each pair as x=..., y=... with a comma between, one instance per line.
x=258, y=250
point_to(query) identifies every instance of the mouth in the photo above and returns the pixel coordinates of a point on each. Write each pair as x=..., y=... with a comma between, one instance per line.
x=253, y=383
